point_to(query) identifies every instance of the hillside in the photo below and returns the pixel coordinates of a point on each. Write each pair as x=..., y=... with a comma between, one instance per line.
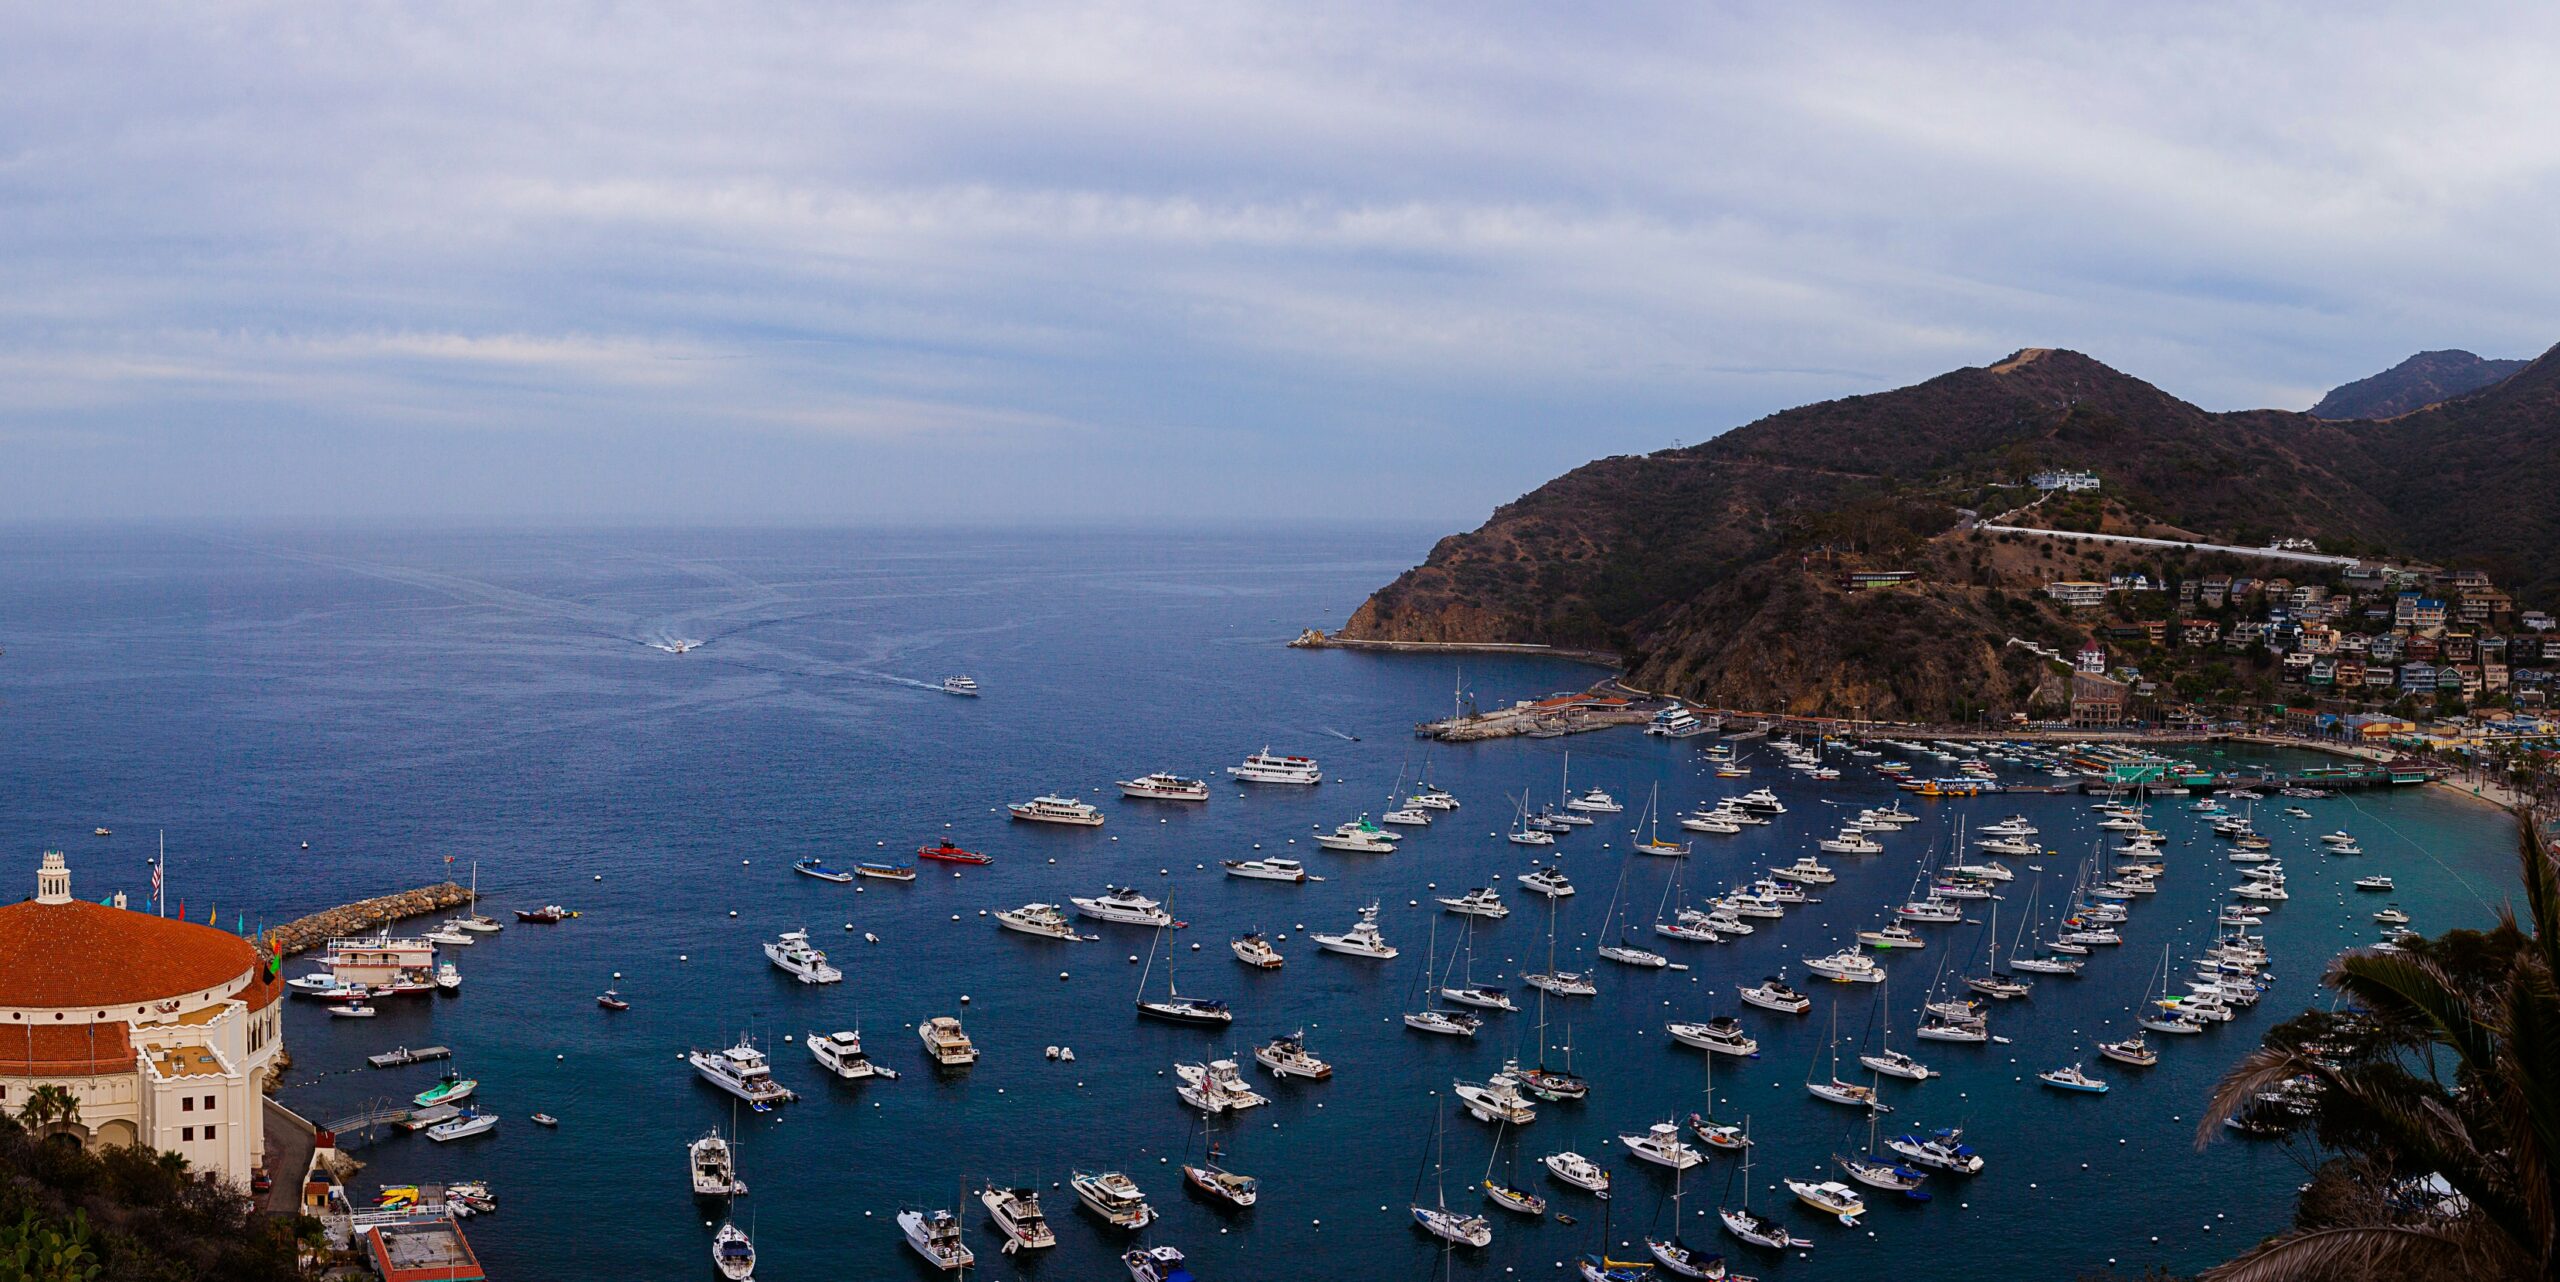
x=2413, y=384
x=1710, y=567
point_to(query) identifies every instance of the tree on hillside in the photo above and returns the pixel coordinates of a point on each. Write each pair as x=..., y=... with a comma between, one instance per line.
x=2437, y=1087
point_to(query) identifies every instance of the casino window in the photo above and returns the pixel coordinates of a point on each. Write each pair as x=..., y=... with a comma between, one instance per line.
x=187, y=1104
x=188, y=1134
x=208, y=1102
x=208, y=1132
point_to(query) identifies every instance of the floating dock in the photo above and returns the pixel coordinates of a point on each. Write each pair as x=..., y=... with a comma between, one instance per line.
x=403, y=1056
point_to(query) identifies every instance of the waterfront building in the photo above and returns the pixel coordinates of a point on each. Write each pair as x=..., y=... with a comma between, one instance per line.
x=165, y=1032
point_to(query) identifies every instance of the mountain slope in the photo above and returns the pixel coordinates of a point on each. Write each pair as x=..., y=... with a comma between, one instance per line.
x=1710, y=567
x=2413, y=384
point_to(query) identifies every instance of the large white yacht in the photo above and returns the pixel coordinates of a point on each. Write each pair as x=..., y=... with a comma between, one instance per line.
x=1496, y=1099
x=742, y=1071
x=715, y=1168
x=1288, y=1056
x=947, y=1042
x=1056, y=810
x=1595, y=802
x=841, y=1053
x=1162, y=786
x=1661, y=1145
x=1016, y=1212
x=1265, y=767
x=935, y=1235
x=1043, y=920
x=794, y=955
x=1272, y=868
x=1124, y=905
x=1113, y=1196
x=1362, y=940
x=1215, y=1087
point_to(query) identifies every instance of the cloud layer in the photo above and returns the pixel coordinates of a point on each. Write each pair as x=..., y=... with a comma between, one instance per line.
x=898, y=262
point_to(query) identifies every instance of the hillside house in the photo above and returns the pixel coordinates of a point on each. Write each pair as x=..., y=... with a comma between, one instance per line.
x=2198, y=632
x=2072, y=482
x=2217, y=589
x=2077, y=593
x=2417, y=678
x=2092, y=657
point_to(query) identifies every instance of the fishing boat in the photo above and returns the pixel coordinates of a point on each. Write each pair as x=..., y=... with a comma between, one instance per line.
x=1113, y=1196
x=813, y=866
x=1287, y=1056
x=1043, y=920
x=948, y=853
x=1255, y=951
x=469, y=1122
x=946, y=1042
x=1830, y=1197
x=1773, y=994
x=1361, y=940
x=452, y=1088
x=742, y=1070
x=732, y=1254
x=885, y=872
x=448, y=978
x=1017, y=1214
x=1047, y=809
x=714, y=1168
x=1268, y=869
x=1266, y=767
x=1579, y=1171
x=612, y=1000
x=1162, y=786
x=1173, y=1007
x=1124, y=906
x=2071, y=1077
x=935, y=1235
x=794, y=955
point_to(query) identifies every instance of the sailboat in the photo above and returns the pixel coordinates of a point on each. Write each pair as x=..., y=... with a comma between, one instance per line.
x=1622, y=952
x=1651, y=827
x=1885, y=1059
x=1672, y=919
x=1877, y=1171
x=1836, y=1090
x=1467, y=992
x=1437, y=1219
x=1600, y=1268
x=1563, y=983
x=1749, y=1225
x=1710, y=1132
x=1234, y=1189
x=1992, y=983
x=2166, y=1017
x=1524, y=835
x=1432, y=1019
x=2053, y=965
x=1676, y=1254
x=1176, y=1008
x=479, y=922
x=1507, y=1193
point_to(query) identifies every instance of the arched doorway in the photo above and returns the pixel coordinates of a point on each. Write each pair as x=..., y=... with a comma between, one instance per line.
x=117, y=1134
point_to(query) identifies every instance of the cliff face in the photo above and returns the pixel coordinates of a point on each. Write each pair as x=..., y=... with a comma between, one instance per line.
x=2414, y=384
x=1697, y=563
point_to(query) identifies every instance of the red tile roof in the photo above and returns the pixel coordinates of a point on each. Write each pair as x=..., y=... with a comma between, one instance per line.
x=83, y=954
x=64, y=1050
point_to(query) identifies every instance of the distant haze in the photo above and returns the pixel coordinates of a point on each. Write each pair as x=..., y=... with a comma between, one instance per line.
x=906, y=263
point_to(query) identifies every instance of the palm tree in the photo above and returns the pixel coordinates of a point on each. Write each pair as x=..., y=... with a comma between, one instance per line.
x=48, y=1105
x=2436, y=1174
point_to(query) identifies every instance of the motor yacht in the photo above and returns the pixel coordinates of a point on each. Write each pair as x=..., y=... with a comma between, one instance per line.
x=1016, y=1212
x=1550, y=882
x=1806, y=871
x=1579, y=1171
x=2378, y=883
x=841, y=1054
x=935, y=1235
x=742, y=1071
x=1161, y=786
x=1479, y=902
x=1360, y=837
x=1287, y=1056
x=1125, y=906
x=1432, y=798
x=1496, y=1099
x=1761, y=801
x=1896, y=935
x=2392, y=916
x=1043, y=920
x=1595, y=802
x=1851, y=841
x=2014, y=847
x=1773, y=994
x=946, y=1042
x=1056, y=810
x=1113, y=1196
x=1481, y=996
x=1722, y=1035
x=1711, y=821
x=1849, y=967
x=2132, y=1050
x=1158, y=1263
x=2071, y=1077
x=1272, y=868
x=467, y=1123
x=1255, y=951
x=1215, y=1087
x=966, y=687
x=715, y=1168
x=2013, y=826
x=1661, y=1145
x=1831, y=1197
x=1266, y=767
x=793, y=955
x=1943, y=1149
x=1361, y=940
x=1409, y=816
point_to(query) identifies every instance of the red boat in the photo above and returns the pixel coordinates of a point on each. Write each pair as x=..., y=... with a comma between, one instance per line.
x=951, y=854
x=548, y=914
x=610, y=1001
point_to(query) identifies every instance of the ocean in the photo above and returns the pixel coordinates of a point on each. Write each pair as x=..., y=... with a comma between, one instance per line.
x=415, y=704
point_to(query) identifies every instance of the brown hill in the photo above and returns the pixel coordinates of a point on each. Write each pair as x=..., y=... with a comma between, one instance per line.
x=2414, y=384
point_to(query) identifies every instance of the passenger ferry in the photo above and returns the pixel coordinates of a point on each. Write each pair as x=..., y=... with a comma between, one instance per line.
x=1056, y=810
x=966, y=687
x=1264, y=767
x=1161, y=786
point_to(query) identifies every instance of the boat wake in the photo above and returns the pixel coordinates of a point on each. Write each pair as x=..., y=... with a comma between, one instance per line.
x=1347, y=738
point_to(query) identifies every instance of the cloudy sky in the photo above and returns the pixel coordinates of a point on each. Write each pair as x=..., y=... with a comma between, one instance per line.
x=854, y=263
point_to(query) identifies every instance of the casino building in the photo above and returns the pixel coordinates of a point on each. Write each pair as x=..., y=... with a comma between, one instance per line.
x=165, y=1032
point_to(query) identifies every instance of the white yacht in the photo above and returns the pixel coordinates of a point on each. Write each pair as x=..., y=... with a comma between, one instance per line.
x=2013, y=826
x=947, y=1042
x=1775, y=995
x=1410, y=816
x=1846, y=967
x=1479, y=902
x=732, y=1254
x=742, y=1071
x=1810, y=871
x=1043, y=920
x=715, y=1168
x=1362, y=940
x=1255, y=951
x=935, y=1235
x=1446, y=1023
x=1712, y=821
x=1056, y=810
x=1661, y=1145
x=1124, y=905
x=1595, y=802
x=1266, y=767
x=1578, y=1171
x=1762, y=801
x=1360, y=837
x=1215, y=1087
x=1288, y=1056
x=1161, y=786
x=1496, y=1099
x=1851, y=841
x=1113, y=1196
x=1722, y=1035
x=1831, y=1197
x=795, y=956
x=449, y=934
x=966, y=687
x=1550, y=882
x=1268, y=869
x=1016, y=1212
x=470, y=1121
x=841, y=1053
x=2014, y=847
x=1432, y=798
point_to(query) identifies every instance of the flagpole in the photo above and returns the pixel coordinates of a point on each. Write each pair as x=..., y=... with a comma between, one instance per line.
x=160, y=871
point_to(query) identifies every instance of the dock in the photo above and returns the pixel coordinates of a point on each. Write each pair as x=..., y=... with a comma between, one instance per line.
x=403, y=1056
x=363, y=917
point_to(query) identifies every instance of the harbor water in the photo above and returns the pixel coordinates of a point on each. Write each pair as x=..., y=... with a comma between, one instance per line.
x=412, y=705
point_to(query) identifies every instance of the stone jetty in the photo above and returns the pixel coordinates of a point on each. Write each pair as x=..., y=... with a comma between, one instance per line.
x=319, y=928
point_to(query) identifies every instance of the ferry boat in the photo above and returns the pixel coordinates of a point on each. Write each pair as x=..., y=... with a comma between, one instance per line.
x=813, y=866
x=946, y=1042
x=1113, y=1196
x=1056, y=810
x=1043, y=920
x=935, y=1235
x=1675, y=722
x=1287, y=1056
x=1267, y=767
x=967, y=687
x=1016, y=1212
x=1268, y=869
x=715, y=1169
x=1362, y=940
x=1161, y=786
x=795, y=956
x=1125, y=906
x=841, y=1053
x=947, y=853
x=742, y=1071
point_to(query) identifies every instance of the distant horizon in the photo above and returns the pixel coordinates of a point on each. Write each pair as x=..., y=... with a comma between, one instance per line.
x=912, y=265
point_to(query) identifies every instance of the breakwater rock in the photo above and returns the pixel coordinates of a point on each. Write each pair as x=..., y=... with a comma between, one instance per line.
x=304, y=933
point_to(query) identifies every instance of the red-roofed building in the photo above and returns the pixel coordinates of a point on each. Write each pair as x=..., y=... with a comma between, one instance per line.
x=165, y=1031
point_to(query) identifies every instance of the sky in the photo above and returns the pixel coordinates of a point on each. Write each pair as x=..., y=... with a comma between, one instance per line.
x=923, y=263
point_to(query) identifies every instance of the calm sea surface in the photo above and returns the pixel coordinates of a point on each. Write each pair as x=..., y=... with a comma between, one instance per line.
x=413, y=704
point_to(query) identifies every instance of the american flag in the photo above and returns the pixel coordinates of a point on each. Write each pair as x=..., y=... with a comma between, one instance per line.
x=155, y=881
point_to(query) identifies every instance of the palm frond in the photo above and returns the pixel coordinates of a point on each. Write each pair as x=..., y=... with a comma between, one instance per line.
x=2417, y=987
x=2257, y=1071
x=2363, y=1251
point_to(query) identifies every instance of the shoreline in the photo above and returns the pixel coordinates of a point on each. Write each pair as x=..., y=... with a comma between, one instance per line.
x=1318, y=639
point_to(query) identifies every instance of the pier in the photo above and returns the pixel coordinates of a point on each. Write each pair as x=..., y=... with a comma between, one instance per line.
x=305, y=933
